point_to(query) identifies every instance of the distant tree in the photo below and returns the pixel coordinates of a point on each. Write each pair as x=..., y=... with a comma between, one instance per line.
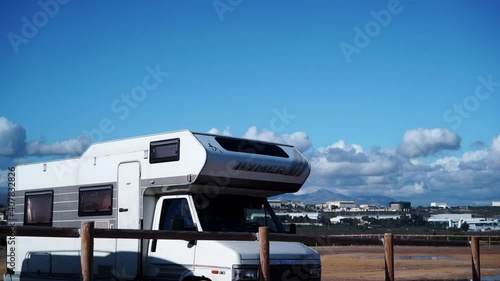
x=404, y=220
x=325, y=221
x=349, y=221
x=464, y=227
x=418, y=220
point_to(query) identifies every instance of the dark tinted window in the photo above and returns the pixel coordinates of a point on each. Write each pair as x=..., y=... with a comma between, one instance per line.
x=236, y=213
x=95, y=201
x=164, y=151
x=175, y=215
x=38, y=208
x=252, y=147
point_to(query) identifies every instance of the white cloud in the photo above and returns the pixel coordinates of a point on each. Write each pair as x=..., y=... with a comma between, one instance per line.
x=409, y=190
x=299, y=139
x=67, y=147
x=478, y=155
x=341, y=144
x=495, y=145
x=376, y=180
x=375, y=167
x=225, y=132
x=342, y=160
x=494, y=156
x=13, y=143
x=447, y=163
x=12, y=138
x=424, y=142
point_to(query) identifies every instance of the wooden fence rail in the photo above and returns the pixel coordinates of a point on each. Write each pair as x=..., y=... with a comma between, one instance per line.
x=88, y=233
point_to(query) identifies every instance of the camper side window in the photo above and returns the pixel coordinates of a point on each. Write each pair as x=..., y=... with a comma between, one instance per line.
x=38, y=208
x=175, y=215
x=95, y=201
x=164, y=151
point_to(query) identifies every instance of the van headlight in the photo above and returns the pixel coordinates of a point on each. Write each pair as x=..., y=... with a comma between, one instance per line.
x=315, y=273
x=245, y=273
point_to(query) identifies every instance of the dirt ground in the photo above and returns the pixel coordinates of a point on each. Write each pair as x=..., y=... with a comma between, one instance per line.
x=354, y=263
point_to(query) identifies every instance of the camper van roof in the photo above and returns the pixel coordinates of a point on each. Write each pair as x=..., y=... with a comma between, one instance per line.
x=159, y=135
x=182, y=158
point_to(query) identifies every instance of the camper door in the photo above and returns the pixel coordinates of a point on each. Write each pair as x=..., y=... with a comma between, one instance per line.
x=127, y=250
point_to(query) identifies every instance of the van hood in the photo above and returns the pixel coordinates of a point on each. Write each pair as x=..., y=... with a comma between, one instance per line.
x=249, y=250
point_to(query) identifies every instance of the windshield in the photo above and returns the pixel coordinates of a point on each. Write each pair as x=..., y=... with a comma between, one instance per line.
x=234, y=213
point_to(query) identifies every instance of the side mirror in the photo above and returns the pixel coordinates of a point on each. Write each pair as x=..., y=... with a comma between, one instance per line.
x=293, y=228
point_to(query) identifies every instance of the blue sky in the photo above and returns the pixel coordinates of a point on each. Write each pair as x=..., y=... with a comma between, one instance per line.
x=354, y=84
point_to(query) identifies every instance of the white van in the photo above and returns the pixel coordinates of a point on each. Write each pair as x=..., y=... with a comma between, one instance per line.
x=172, y=181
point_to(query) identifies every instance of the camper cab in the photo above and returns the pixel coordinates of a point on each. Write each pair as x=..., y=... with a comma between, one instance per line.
x=173, y=181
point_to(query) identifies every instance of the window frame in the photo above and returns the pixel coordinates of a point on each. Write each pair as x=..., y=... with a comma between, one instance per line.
x=27, y=195
x=85, y=189
x=154, y=144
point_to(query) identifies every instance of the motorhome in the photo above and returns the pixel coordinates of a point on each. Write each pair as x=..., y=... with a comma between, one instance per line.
x=172, y=181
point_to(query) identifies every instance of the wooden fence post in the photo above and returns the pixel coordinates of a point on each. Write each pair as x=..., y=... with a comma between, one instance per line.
x=389, y=257
x=476, y=265
x=264, y=253
x=87, y=250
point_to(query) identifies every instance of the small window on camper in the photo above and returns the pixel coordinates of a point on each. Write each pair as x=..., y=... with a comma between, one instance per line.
x=95, y=201
x=164, y=151
x=38, y=208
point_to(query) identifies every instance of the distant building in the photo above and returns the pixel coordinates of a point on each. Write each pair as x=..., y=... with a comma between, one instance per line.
x=336, y=205
x=344, y=204
x=480, y=224
x=456, y=217
x=310, y=215
x=337, y=219
x=439, y=205
x=321, y=206
x=328, y=206
x=285, y=204
x=451, y=220
x=400, y=206
x=367, y=207
x=298, y=204
x=276, y=204
x=495, y=204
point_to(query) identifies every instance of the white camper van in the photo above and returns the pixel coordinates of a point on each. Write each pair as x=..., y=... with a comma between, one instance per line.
x=172, y=181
